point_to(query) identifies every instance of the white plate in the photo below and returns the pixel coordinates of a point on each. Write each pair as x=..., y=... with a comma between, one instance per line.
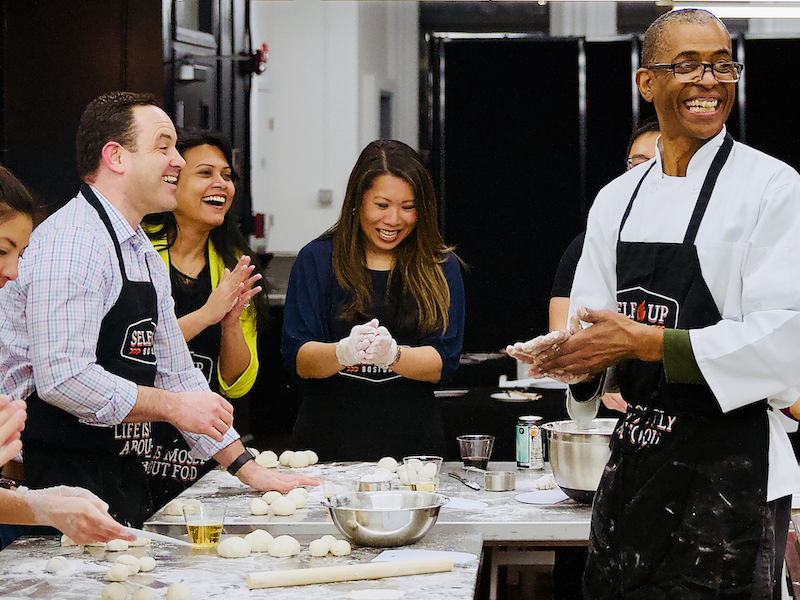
x=543, y=383
x=512, y=396
x=464, y=504
x=542, y=497
x=459, y=558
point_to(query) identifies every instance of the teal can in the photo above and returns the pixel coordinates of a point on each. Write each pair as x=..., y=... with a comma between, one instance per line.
x=530, y=450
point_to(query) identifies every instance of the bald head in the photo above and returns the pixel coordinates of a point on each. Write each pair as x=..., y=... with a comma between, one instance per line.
x=655, y=38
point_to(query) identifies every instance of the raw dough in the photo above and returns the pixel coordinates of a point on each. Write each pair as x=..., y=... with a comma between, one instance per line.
x=143, y=594
x=270, y=497
x=319, y=547
x=67, y=541
x=283, y=546
x=179, y=591
x=428, y=472
x=388, y=463
x=139, y=541
x=56, y=564
x=299, y=496
x=259, y=540
x=283, y=506
x=234, y=547
x=340, y=548
x=312, y=457
x=253, y=451
x=298, y=460
x=328, y=538
x=116, y=545
x=114, y=591
x=147, y=563
x=131, y=562
x=118, y=572
x=285, y=456
x=173, y=509
x=267, y=459
x=258, y=507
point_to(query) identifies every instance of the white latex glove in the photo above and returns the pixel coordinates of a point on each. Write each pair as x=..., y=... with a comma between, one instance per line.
x=352, y=349
x=527, y=352
x=383, y=348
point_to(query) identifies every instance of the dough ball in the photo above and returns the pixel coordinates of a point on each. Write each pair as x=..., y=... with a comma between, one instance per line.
x=147, y=564
x=67, y=541
x=259, y=540
x=298, y=460
x=56, y=564
x=116, y=545
x=234, y=547
x=270, y=497
x=283, y=506
x=340, y=548
x=312, y=457
x=319, y=547
x=179, y=591
x=388, y=463
x=329, y=539
x=143, y=594
x=254, y=452
x=174, y=508
x=283, y=546
x=404, y=477
x=268, y=459
x=139, y=541
x=299, y=496
x=414, y=465
x=285, y=456
x=114, y=591
x=118, y=572
x=428, y=472
x=258, y=507
x=193, y=506
x=131, y=562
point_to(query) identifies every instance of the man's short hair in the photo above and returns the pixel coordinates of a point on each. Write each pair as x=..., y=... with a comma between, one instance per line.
x=654, y=43
x=108, y=118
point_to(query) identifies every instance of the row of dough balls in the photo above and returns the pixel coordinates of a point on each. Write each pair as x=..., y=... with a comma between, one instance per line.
x=111, y=546
x=117, y=591
x=289, y=458
x=280, y=504
x=282, y=546
x=127, y=565
x=175, y=507
x=414, y=472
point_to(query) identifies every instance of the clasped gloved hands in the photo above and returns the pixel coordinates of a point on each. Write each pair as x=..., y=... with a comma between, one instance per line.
x=368, y=344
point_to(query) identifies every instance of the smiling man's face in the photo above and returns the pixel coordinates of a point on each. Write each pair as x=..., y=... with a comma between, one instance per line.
x=696, y=110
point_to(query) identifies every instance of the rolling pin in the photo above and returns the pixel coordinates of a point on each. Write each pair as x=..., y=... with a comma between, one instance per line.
x=377, y=570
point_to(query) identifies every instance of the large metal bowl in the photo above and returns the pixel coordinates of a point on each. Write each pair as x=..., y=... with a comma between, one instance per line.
x=578, y=456
x=384, y=519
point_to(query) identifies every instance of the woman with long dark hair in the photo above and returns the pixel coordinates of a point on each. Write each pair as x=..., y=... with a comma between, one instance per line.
x=213, y=279
x=374, y=316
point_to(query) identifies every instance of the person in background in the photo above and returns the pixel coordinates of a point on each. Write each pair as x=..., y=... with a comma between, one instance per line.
x=212, y=279
x=88, y=332
x=690, y=282
x=641, y=148
x=74, y=511
x=374, y=316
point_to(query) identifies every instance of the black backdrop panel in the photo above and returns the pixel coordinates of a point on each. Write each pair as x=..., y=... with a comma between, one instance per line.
x=512, y=178
x=770, y=128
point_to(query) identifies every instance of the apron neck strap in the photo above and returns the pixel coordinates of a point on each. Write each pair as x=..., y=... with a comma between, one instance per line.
x=91, y=198
x=708, y=187
x=630, y=202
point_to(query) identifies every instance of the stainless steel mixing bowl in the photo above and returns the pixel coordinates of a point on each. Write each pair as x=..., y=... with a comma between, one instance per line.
x=384, y=519
x=578, y=456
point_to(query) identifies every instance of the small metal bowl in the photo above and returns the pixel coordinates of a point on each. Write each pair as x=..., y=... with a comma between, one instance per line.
x=384, y=519
x=499, y=481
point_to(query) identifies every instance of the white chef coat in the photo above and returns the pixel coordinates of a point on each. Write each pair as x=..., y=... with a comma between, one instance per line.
x=749, y=250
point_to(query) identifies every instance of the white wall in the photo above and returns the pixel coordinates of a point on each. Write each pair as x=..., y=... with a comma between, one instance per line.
x=316, y=106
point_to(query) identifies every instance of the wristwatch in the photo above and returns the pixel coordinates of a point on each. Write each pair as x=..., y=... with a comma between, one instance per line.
x=237, y=464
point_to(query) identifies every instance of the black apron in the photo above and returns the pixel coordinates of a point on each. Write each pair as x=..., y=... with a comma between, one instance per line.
x=170, y=467
x=60, y=450
x=680, y=508
x=366, y=412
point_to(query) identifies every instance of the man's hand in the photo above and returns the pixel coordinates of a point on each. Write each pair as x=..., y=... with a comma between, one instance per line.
x=12, y=422
x=611, y=339
x=615, y=401
x=264, y=479
x=77, y=512
x=202, y=412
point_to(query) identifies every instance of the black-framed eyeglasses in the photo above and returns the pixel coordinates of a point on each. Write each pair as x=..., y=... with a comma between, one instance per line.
x=690, y=71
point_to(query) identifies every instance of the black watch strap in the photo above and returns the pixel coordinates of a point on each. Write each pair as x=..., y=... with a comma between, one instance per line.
x=237, y=464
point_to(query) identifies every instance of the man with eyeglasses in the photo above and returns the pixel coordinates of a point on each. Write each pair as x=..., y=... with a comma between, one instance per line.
x=690, y=276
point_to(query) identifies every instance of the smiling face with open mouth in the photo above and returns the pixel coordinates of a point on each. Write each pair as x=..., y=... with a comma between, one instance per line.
x=388, y=216
x=696, y=110
x=205, y=188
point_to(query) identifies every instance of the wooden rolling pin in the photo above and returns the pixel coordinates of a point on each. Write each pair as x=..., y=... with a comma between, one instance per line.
x=377, y=570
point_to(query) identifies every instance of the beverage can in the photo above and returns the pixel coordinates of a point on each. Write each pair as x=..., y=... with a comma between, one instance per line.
x=530, y=451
